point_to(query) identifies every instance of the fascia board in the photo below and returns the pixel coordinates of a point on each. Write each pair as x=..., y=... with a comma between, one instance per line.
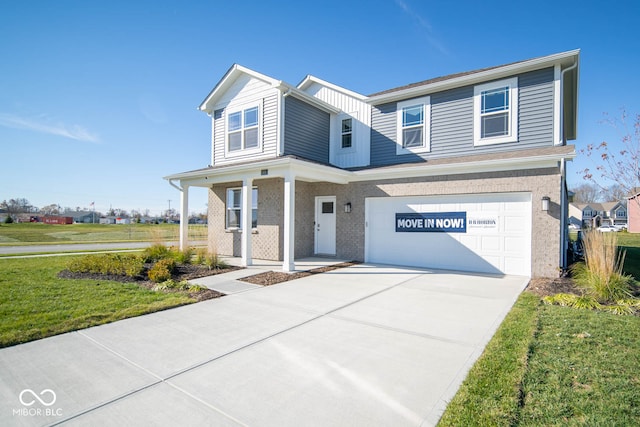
x=461, y=168
x=313, y=79
x=482, y=76
x=304, y=96
x=277, y=168
x=231, y=75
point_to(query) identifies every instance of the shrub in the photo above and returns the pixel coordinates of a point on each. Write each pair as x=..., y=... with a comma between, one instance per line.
x=161, y=271
x=182, y=257
x=209, y=259
x=600, y=275
x=156, y=252
x=8, y=220
x=180, y=286
x=116, y=264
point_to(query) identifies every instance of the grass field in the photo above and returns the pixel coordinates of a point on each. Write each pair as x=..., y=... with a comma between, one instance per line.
x=551, y=365
x=35, y=303
x=37, y=233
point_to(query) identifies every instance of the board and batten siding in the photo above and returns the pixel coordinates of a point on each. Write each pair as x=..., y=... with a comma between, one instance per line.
x=246, y=90
x=360, y=113
x=306, y=131
x=452, y=122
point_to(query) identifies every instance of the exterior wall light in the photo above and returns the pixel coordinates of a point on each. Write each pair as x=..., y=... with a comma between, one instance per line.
x=347, y=207
x=545, y=203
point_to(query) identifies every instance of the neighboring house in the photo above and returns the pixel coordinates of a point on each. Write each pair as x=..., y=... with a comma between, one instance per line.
x=633, y=206
x=592, y=215
x=463, y=172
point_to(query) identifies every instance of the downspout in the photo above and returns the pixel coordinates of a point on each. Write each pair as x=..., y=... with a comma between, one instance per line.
x=175, y=186
x=564, y=203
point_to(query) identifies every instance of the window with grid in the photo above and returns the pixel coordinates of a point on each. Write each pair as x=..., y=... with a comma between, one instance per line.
x=243, y=129
x=234, y=208
x=496, y=112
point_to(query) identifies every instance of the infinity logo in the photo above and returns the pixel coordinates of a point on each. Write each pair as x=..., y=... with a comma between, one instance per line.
x=36, y=397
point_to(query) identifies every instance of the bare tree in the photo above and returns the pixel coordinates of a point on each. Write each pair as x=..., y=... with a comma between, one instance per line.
x=586, y=193
x=617, y=163
x=16, y=206
x=52, y=209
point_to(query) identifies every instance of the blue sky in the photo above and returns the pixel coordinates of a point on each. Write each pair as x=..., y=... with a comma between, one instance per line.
x=98, y=100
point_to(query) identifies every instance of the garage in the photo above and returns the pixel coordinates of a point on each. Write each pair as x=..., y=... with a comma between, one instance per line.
x=485, y=233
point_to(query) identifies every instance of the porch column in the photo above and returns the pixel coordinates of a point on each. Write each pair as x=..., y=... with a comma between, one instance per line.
x=288, y=264
x=184, y=217
x=247, y=195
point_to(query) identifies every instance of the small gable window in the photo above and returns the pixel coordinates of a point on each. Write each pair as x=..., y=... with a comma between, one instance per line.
x=347, y=133
x=496, y=112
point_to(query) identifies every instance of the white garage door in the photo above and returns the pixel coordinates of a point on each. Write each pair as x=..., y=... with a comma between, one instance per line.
x=487, y=233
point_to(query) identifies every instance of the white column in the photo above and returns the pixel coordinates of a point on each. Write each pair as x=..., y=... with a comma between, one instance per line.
x=289, y=222
x=184, y=217
x=247, y=195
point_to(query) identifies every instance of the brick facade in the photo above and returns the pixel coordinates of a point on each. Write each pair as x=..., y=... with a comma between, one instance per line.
x=350, y=227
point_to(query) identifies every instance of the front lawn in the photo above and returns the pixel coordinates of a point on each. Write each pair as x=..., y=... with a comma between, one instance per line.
x=36, y=303
x=551, y=365
x=38, y=233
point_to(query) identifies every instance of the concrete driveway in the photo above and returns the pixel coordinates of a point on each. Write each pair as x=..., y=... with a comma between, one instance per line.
x=365, y=345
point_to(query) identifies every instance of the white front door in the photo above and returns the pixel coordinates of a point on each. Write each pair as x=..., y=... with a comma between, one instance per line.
x=325, y=225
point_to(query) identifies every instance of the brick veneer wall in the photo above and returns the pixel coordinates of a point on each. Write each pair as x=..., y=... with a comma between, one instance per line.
x=350, y=227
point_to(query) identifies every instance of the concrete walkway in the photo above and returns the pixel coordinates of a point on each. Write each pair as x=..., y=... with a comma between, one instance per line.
x=364, y=345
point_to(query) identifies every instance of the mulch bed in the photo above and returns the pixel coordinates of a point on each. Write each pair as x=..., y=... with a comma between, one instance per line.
x=269, y=278
x=182, y=272
x=549, y=286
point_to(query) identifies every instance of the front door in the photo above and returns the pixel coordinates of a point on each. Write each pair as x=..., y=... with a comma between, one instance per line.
x=325, y=225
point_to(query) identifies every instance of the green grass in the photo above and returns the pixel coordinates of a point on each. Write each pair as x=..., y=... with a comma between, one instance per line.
x=490, y=394
x=631, y=243
x=35, y=303
x=551, y=365
x=32, y=233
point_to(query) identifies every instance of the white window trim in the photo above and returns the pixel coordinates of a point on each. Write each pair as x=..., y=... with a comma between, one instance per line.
x=226, y=207
x=512, y=83
x=354, y=124
x=236, y=109
x=426, y=130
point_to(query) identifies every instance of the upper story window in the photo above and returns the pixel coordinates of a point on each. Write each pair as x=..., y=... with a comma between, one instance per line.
x=621, y=213
x=413, y=124
x=243, y=129
x=234, y=208
x=495, y=112
x=346, y=133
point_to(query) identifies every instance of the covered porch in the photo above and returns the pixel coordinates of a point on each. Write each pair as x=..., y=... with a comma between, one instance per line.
x=289, y=169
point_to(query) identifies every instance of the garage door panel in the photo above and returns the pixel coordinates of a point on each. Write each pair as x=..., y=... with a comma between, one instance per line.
x=497, y=237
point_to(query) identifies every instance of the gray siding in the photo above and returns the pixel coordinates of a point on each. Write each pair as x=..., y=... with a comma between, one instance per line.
x=306, y=131
x=268, y=122
x=452, y=122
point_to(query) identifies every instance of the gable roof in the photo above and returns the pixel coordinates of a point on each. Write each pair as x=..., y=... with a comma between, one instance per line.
x=309, y=80
x=237, y=70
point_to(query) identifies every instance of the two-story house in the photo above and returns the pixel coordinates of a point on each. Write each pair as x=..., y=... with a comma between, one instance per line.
x=592, y=215
x=463, y=172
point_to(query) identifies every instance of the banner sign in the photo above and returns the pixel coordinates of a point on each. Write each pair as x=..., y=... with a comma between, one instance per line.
x=432, y=222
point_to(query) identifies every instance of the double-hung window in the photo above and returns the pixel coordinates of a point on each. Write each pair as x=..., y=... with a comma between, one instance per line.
x=496, y=112
x=234, y=208
x=413, y=119
x=243, y=129
x=346, y=133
